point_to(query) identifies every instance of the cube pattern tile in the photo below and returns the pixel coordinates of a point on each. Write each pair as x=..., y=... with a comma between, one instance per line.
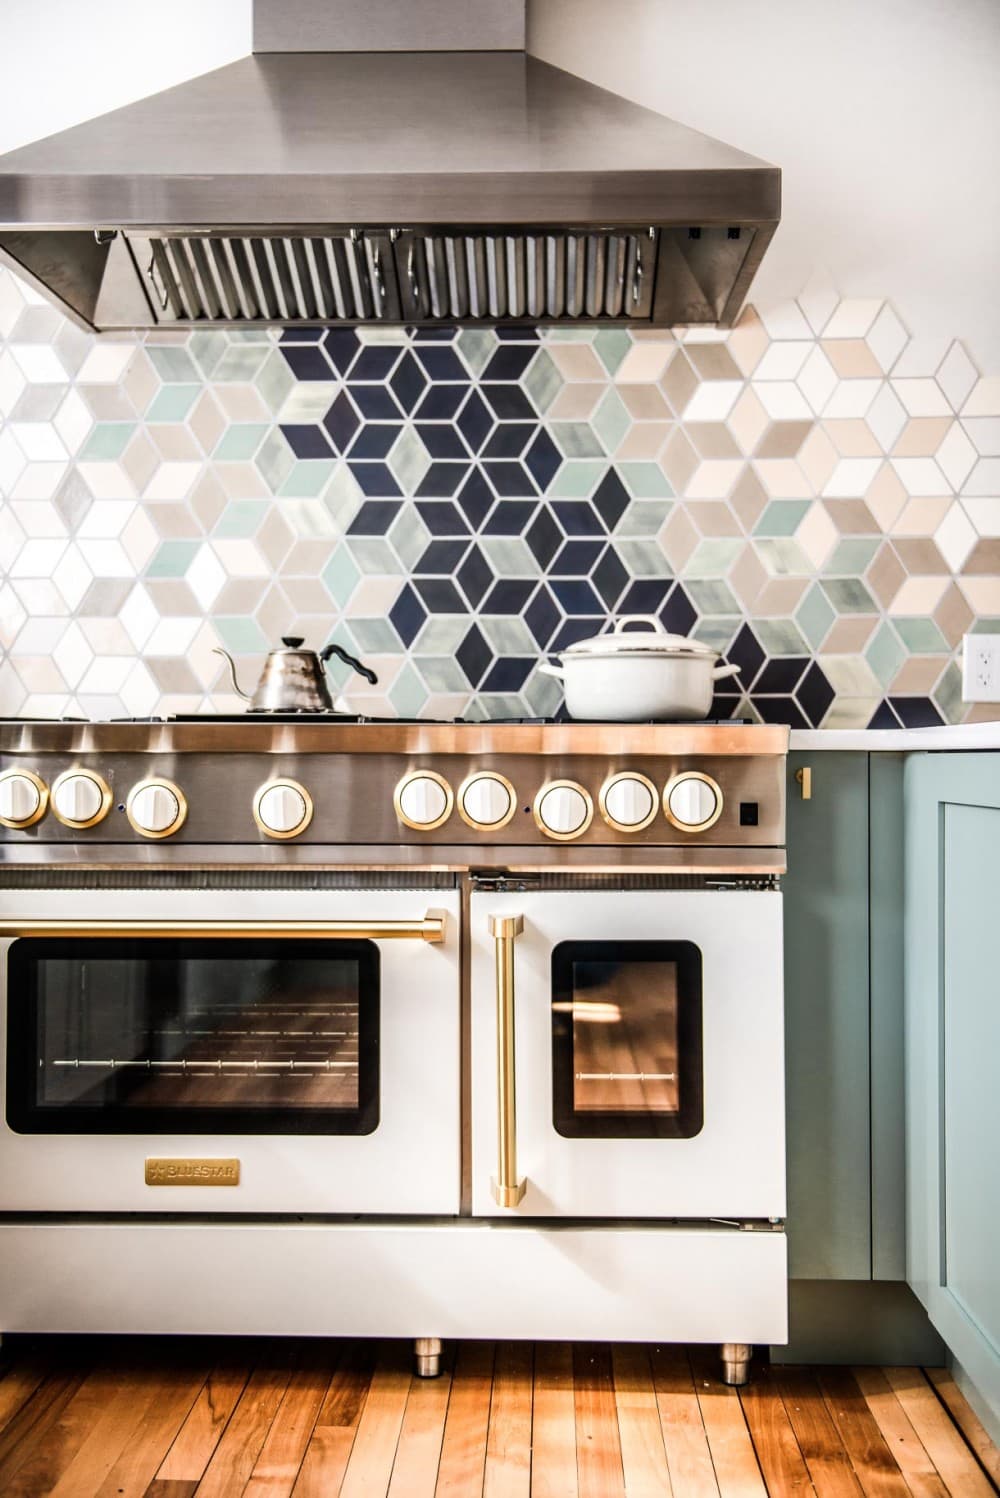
x=814, y=493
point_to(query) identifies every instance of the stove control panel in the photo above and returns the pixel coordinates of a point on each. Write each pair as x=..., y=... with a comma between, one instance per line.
x=282, y=808
x=563, y=810
x=80, y=798
x=487, y=801
x=692, y=802
x=156, y=808
x=23, y=798
x=629, y=801
x=423, y=800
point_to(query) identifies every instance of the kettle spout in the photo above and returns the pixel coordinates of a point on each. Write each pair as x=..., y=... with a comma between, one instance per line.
x=218, y=650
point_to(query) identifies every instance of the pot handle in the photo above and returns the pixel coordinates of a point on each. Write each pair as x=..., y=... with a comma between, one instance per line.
x=725, y=670
x=549, y=670
x=348, y=660
x=623, y=621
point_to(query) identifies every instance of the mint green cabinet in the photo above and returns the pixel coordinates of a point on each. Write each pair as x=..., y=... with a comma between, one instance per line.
x=952, y=987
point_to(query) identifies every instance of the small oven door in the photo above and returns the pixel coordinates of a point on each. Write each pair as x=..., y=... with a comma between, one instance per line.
x=254, y=1051
x=627, y=1053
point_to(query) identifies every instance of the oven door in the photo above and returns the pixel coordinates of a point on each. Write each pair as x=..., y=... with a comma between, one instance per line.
x=627, y=1052
x=254, y=1051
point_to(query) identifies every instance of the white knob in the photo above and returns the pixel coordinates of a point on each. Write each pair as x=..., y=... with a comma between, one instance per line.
x=563, y=809
x=283, y=808
x=486, y=801
x=80, y=798
x=23, y=798
x=424, y=800
x=628, y=802
x=156, y=808
x=692, y=802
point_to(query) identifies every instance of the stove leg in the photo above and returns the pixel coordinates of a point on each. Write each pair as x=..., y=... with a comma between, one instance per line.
x=736, y=1362
x=427, y=1356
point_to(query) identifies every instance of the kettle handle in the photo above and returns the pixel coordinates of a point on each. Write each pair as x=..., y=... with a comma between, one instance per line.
x=348, y=660
x=218, y=650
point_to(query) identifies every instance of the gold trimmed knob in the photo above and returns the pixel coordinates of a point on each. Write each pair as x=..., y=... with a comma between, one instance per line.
x=80, y=798
x=563, y=810
x=423, y=800
x=23, y=798
x=156, y=808
x=282, y=808
x=629, y=801
x=692, y=802
x=486, y=801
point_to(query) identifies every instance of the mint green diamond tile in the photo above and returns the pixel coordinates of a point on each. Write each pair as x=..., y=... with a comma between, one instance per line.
x=783, y=557
x=780, y=637
x=885, y=654
x=172, y=402
x=410, y=536
x=173, y=364
x=408, y=693
x=782, y=517
x=576, y=439
x=341, y=576
x=577, y=479
x=507, y=635
x=542, y=381
x=985, y=626
x=711, y=596
x=107, y=441
x=274, y=381
x=375, y=556
x=642, y=558
x=240, y=441
x=476, y=345
x=713, y=556
x=509, y=556
x=852, y=556
x=441, y=635
x=644, y=480
x=922, y=637
x=643, y=517
x=172, y=558
x=240, y=363
x=849, y=595
x=611, y=421
x=392, y=336
x=343, y=496
x=543, y=694
x=307, y=478
x=206, y=349
x=241, y=636
x=569, y=335
x=850, y=676
x=717, y=632
x=409, y=460
x=251, y=335
x=611, y=345
x=442, y=673
x=307, y=403
x=375, y=636
x=948, y=694
x=814, y=616
x=499, y=705
x=241, y=518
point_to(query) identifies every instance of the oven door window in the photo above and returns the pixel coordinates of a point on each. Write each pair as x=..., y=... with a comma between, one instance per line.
x=168, y=1036
x=626, y=1040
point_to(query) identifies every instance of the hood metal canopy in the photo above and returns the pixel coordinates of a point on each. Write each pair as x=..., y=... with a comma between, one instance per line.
x=308, y=184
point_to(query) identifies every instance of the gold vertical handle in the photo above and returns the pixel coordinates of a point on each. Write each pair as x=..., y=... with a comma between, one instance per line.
x=507, y=1189
x=805, y=779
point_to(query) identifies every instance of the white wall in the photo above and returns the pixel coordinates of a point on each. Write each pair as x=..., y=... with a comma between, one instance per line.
x=883, y=114
x=63, y=61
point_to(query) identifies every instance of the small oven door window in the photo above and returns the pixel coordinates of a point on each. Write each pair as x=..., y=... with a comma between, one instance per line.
x=168, y=1036
x=626, y=1040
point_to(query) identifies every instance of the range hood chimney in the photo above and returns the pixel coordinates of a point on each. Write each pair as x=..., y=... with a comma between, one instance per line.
x=387, y=161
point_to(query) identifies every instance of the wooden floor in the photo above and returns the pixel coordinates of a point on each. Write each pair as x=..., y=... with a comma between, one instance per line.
x=103, y=1417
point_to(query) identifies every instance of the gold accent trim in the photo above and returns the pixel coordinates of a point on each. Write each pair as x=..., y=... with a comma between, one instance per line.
x=706, y=780
x=473, y=779
x=556, y=785
x=449, y=799
x=283, y=784
x=102, y=786
x=805, y=779
x=654, y=801
x=43, y=798
x=507, y=1189
x=164, y=1171
x=158, y=782
x=430, y=927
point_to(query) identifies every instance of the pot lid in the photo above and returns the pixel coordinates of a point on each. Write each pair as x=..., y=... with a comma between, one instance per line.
x=639, y=634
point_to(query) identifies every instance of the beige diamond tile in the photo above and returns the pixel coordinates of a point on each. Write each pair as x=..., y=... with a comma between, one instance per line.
x=852, y=517
x=920, y=517
x=747, y=341
x=712, y=439
x=747, y=577
x=714, y=479
x=984, y=398
x=243, y=403
x=207, y=421
x=678, y=460
x=644, y=362
x=982, y=593
x=922, y=436
x=782, y=478
x=678, y=540
x=175, y=444
x=851, y=358
x=679, y=383
x=141, y=381
x=956, y=536
x=748, y=420
x=713, y=517
x=172, y=595
x=817, y=457
x=850, y=634
x=853, y=438
x=748, y=499
x=780, y=596
x=140, y=461
x=885, y=576
x=644, y=440
x=853, y=318
x=713, y=361
x=953, y=615
x=576, y=402
x=919, y=596
x=577, y=361
x=984, y=558
x=783, y=440
x=644, y=402
x=919, y=555
x=917, y=676
x=817, y=534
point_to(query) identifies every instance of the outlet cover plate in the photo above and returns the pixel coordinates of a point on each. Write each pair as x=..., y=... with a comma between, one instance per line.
x=981, y=668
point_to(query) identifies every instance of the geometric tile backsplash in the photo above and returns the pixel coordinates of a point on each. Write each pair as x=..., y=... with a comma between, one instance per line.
x=814, y=493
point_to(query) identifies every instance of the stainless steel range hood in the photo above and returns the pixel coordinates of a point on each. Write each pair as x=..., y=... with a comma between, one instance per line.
x=376, y=161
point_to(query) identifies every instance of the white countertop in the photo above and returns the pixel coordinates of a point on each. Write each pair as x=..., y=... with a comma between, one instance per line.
x=946, y=736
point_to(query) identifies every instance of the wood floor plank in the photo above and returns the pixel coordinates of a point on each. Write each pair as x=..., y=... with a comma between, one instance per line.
x=18, y=1383
x=819, y=1440
x=507, y=1472
x=644, y=1459
x=369, y=1468
x=235, y=1457
x=329, y=1449
x=689, y=1460
x=553, y=1423
x=284, y=1448
x=124, y=1396
x=192, y=1448
x=166, y=1410
x=877, y=1470
x=966, y=1419
x=462, y=1467
x=904, y=1444
x=40, y=1432
x=729, y=1442
x=170, y=1487
x=599, y=1469
x=781, y=1461
x=418, y=1452
x=941, y=1439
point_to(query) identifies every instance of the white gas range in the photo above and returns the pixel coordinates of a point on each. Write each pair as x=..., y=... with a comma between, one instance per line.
x=358, y=1028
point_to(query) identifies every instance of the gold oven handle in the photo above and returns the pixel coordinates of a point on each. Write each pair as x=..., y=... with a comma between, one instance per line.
x=430, y=927
x=507, y=1189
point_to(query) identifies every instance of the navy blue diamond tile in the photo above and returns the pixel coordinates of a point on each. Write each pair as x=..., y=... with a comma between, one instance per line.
x=577, y=596
x=508, y=596
x=577, y=517
x=509, y=480
x=543, y=459
x=407, y=615
x=781, y=674
x=645, y=595
x=814, y=694
x=509, y=439
x=374, y=517
x=575, y=558
x=375, y=361
x=442, y=518
x=375, y=403
x=375, y=439
x=441, y=440
x=442, y=557
x=916, y=712
x=520, y=333
x=510, y=518
x=301, y=335
x=475, y=577
x=433, y=335
x=884, y=717
x=542, y=616
x=475, y=498
x=543, y=536
x=747, y=653
x=306, y=361
x=375, y=479
x=723, y=706
x=408, y=382
x=307, y=441
x=678, y=613
x=440, y=596
x=342, y=421
x=474, y=656
x=442, y=480
x=342, y=346
x=611, y=499
x=780, y=710
x=610, y=578
x=442, y=363
x=474, y=421
x=508, y=674
x=508, y=363
x=577, y=628
x=509, y=402
x=440, y=402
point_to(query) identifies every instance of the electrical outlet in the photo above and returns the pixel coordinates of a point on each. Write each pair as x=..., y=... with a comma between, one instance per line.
x=981, y=668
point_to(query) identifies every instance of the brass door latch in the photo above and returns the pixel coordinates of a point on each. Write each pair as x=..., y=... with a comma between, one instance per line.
x=805, y=779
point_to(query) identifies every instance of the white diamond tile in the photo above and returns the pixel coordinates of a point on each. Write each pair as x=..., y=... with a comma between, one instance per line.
x=887, y=338
x=921, y=476
x=984, y=515
x=39, y=595
x=106, y=517
x=984, y=478
x=886, y=417
x=921, y=397
x=817, y=535
x=40, y=636
x=853, y=318
x=139, y=538
x=956, y=455
x=38, y=518
x=106, y=480
x=955, y=537
x=819, y=299
x=785, y=320
x=817, y=379
x=39, y=363
x=139, y=616
x=713, y=400
x=105, y=676
x=12, y=383
x=748, y=420
x=957, y=375
x=783, y=401
x=106, y=363
x=107, y=558
x=11, y=303
x=73, y=421
x=12, y=463
x=72, y=654
x=714, y=478
x=139, y=692
x=782, y=478
x=922, y=357
x=919, y=596
x=37, y=558
x=38, y=440
x=173, y=636
x=172, y=480
x=984, y=432
x=206, y=576
x=783, y=361
x=39, y=480
x=12, y=616
x=851, y=398
x=851, y=478
x=72, y=577
x=984, y=398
